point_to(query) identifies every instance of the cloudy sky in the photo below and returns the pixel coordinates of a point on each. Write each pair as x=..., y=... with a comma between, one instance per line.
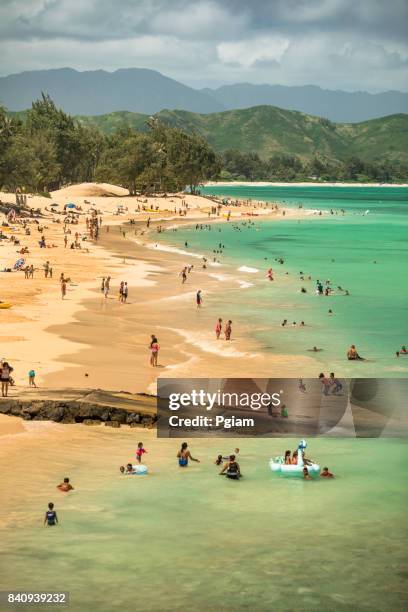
x=337, y=44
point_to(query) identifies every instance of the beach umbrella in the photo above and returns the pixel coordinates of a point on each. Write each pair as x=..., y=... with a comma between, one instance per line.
x=71, y=205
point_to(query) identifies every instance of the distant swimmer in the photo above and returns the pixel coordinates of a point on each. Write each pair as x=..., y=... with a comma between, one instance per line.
x=326, y=474
x=65, y=486
x=231, y=469
x=315, y=349
x=184, y=455
x=352, y=354
x=50, y=519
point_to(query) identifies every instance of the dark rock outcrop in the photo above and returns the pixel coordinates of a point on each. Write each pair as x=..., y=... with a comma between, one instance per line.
x=82, y=410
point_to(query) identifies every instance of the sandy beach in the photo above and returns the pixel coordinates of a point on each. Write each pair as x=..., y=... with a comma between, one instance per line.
x=85, y=339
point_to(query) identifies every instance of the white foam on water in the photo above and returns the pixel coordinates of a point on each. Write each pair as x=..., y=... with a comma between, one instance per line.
x=216, y=347
x=248, y=269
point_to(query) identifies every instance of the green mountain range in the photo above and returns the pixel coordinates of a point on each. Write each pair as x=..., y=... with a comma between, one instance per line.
x=268, y=130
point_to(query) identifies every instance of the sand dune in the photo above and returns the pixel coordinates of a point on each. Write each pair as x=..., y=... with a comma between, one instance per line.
x=90, y=190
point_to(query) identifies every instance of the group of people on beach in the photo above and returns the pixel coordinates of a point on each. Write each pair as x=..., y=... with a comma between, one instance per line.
x=227, y=329
x=330, y=384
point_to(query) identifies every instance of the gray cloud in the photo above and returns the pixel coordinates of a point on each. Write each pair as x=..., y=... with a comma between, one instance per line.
x=345, y=44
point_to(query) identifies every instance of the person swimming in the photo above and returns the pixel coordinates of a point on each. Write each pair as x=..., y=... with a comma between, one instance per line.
x=184, y=455
x=231, y=469
x=65, y=486
x=326, y=474
x=306, y=474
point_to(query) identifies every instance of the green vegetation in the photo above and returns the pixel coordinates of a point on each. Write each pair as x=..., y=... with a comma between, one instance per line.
x=44, y=148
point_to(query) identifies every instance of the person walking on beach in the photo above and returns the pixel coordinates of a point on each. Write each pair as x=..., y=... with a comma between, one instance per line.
x=121, y=292
x=183, y=275
x=103, y=284
x=125, y=293
x=5, y=377
x=65, y=241
x=199, y=299
x=228, y=330
x=107, y=286
x=154, y=350
x=50, y=519
x=31, y=379
x=218, y=329
x=63, y=288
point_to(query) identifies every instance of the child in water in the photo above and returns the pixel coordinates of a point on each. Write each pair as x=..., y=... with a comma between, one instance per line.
x=65, y=486
x=326, y=474
x=50, y=518
x=306, y=474
x=218, y=460
x=287, y=458
x=139, y=451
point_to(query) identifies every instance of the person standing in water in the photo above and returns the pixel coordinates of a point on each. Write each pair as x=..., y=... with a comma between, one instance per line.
x=154, y=350
x=231, y=469
x=140, y=451
x=218, y=329
x=184, y=455
x=199, y=299
x=50, y=518
x=228, y=330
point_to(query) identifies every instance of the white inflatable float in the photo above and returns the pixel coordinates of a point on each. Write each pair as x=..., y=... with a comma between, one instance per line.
x=139, y=469
x=279, y=466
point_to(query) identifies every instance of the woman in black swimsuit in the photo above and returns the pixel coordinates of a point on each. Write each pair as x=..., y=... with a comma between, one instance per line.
x=231, y=469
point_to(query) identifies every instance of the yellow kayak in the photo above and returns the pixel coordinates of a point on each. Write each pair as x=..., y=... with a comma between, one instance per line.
x=5, y=305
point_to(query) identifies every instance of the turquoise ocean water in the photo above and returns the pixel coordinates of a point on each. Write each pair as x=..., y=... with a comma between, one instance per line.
x=363, y=252
x=190, y=538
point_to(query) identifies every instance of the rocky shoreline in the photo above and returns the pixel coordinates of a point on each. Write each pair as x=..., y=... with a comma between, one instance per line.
x=90, y=407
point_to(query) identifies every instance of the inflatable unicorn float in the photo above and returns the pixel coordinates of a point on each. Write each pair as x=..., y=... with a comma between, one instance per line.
x=279, y=466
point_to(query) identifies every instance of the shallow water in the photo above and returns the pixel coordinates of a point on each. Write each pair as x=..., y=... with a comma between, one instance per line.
x=179, y=538
x=336, y=247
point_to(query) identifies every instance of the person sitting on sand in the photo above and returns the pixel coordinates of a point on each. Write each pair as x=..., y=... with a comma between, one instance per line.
x=352, y=354
x=231, y=469
x=184, y=455
x=326, y=474
x=306, y=474
x=65, y=486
